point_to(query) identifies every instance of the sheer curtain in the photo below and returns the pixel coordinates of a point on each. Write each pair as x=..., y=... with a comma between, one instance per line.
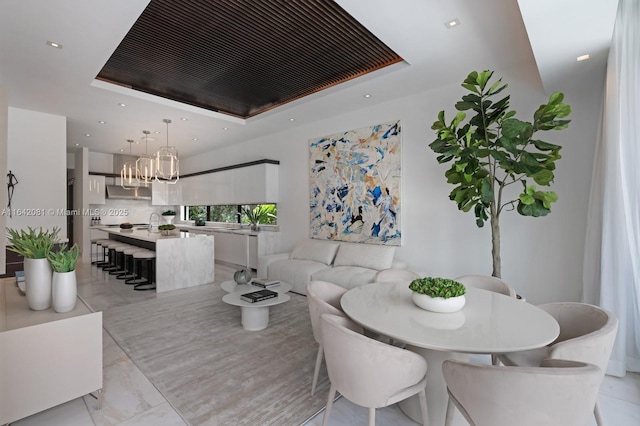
x=612, y=250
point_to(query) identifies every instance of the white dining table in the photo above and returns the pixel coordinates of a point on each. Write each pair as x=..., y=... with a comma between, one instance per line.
x=489, y=323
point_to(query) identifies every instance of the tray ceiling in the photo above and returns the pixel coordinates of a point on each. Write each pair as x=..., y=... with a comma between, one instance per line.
x=242, y=58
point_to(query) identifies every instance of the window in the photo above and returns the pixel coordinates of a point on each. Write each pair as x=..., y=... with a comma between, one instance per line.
x=230, y=213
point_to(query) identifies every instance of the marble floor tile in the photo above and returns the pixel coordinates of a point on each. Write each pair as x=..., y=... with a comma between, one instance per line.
x=126, y=393
x=111, y=352
x=160, y=415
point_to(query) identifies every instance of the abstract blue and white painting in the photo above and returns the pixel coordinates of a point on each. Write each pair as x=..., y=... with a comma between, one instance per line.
x=355, y=180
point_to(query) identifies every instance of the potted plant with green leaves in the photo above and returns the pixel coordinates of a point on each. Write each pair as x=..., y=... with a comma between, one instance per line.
x=64, y=287
x=494, y=151
x=438, y=294
x=167, y=229
x=257, y=215
x=34, y=246
x=169, y=216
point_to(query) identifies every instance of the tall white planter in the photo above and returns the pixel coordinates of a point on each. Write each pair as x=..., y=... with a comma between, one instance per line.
x=64, y=291
x=37, y=277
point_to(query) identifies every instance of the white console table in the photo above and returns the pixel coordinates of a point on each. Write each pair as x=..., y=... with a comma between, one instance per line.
x=46, y=358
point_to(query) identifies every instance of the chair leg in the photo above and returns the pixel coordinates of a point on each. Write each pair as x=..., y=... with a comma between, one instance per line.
x=598, y=413
x=448, y=421
x=327, y=410
x=372, y=416
x=423, y=407
x=316, y=370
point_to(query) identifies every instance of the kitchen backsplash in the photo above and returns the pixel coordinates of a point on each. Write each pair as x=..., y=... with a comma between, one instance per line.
x=114, y=212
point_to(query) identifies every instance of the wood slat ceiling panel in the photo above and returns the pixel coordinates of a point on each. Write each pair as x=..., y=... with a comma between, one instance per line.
x=243, y=57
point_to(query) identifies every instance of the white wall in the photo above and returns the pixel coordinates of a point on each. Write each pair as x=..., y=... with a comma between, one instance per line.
x=3, y=172
x=541, y=257
x=36, y=155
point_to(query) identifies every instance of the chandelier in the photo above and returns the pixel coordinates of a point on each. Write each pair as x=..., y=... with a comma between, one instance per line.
x=145, y=164
x=127, y=174
x=167, y=168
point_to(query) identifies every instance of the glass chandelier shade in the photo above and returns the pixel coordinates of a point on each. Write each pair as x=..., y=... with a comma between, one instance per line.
x=167, y=163
x=128, y=172
x=145, y=165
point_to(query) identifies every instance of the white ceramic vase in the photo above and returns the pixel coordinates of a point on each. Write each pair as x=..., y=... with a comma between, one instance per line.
x=37, y=277
x=64, y=291
x=169, y=219
x=438, y=304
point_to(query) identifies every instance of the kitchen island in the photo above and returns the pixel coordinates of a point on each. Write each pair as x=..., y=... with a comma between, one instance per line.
x=182, y=259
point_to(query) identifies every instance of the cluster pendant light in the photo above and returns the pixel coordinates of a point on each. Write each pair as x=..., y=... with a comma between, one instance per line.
x=167, y=164
x=127, y=174
x=145, y=164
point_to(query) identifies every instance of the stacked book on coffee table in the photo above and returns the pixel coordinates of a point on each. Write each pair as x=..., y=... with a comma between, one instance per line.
x=258, y=296
x=265, y=282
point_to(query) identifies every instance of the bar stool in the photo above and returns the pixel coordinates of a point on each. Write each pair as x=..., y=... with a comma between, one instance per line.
x=111, y=266
x=139, y=282
x=119, y=258
x=128, y=264
x=102, y=247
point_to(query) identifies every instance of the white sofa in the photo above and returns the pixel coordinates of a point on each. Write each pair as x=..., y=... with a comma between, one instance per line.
x=346, y=264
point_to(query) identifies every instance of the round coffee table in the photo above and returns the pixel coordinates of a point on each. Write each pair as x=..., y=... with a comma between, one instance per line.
x=254, y=316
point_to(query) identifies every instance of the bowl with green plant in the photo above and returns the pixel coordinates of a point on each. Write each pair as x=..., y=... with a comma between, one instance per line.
x=169, y=216
x=166, y=230
x=436, y=294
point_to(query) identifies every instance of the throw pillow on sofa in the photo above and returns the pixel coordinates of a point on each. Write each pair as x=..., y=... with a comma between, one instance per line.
x=323, y=252
x=365, y=256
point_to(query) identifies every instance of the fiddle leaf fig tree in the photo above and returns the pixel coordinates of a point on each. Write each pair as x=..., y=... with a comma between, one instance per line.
x=493, y=150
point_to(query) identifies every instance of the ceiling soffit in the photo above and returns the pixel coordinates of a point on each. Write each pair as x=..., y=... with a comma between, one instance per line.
x=243, y=57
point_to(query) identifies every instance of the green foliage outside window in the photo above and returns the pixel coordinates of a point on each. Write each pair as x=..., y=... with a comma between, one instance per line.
x=229, y=213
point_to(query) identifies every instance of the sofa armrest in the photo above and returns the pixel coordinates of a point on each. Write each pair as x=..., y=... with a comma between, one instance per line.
x=265, y=261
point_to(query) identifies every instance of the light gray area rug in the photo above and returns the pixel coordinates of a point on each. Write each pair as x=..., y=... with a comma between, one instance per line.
x=193, y=348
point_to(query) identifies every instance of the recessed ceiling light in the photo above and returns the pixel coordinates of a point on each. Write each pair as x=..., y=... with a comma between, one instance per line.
x=54, y=44
x=122, y=105
x=583, y=58
x=292, y=119
x=102, y=122
x=225, y=128
x=452, y=23
x=121, y=150
x=77, y=144
x=87, y=134
x=156, y=132
x=184, y=119
x=194, y=139
x=368, y=95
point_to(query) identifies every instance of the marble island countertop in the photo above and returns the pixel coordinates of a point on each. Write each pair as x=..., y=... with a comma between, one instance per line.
x=210, y=228
x=145, y=235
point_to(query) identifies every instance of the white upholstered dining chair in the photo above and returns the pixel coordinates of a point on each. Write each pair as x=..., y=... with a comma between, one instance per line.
x=587, y=334
x=367, y=372
x=558, y=393
x=486, y=282
x=323, y=298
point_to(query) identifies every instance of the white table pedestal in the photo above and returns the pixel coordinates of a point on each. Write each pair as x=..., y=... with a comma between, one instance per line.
x=254, y=319
x=436, y=387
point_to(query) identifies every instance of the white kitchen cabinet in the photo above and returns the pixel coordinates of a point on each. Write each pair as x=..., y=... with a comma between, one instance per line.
x=230, y=246
x=255, y=184
x=164, y=194
x=96, y=189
